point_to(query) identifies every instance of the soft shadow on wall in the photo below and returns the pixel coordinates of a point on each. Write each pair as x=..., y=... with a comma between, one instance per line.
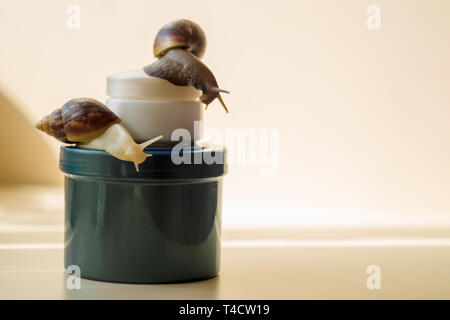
x=25, y=157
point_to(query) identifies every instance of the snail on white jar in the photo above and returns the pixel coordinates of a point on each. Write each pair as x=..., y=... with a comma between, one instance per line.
x=90, y=124
x=179, y=45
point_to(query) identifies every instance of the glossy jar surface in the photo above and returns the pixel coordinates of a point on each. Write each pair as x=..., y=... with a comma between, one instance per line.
x=123, y=226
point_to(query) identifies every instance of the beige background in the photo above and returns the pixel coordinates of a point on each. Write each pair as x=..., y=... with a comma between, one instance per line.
x=363, y=114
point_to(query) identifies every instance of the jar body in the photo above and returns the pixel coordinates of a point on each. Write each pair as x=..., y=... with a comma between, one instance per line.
x=143, y=230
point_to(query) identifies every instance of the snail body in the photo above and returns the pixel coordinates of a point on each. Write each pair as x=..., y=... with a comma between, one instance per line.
x=117, y=141
x=90, y=124
x=179, y=45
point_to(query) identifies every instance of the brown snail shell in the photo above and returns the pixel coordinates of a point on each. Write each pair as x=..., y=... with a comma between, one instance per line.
x=178, y=47
x=180, y=34
x=78, y=120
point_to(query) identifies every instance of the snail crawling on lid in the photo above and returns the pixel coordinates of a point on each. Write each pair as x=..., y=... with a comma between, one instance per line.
x=179, y=45
x=90, y=124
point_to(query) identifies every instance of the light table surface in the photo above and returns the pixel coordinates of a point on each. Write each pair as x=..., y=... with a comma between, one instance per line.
x=264, y=263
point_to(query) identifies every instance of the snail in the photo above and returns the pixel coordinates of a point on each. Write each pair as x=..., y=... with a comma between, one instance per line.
x=90, y=124
x=179, y=45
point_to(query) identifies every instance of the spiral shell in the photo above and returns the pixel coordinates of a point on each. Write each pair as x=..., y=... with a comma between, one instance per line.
x=79, y=120
x=180, y=34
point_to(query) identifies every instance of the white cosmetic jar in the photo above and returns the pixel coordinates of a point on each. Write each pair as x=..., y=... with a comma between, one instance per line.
x=150, y=106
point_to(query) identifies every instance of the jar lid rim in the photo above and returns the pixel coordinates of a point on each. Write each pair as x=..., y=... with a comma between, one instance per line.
x=197, y=162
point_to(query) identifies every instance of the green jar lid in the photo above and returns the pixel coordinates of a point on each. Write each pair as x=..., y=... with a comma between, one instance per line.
x=198, y=162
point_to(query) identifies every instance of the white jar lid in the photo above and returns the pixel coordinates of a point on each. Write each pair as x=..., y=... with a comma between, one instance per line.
x=150, y=106
x=146, y=119
x=137, y=84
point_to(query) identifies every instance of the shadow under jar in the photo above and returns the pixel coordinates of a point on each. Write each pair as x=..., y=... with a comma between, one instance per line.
x=159, y=225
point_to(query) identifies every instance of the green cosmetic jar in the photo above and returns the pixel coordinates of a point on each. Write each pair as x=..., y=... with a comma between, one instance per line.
x=159, y=225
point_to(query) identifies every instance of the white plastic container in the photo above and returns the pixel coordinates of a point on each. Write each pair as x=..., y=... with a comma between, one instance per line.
x=154, y=106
